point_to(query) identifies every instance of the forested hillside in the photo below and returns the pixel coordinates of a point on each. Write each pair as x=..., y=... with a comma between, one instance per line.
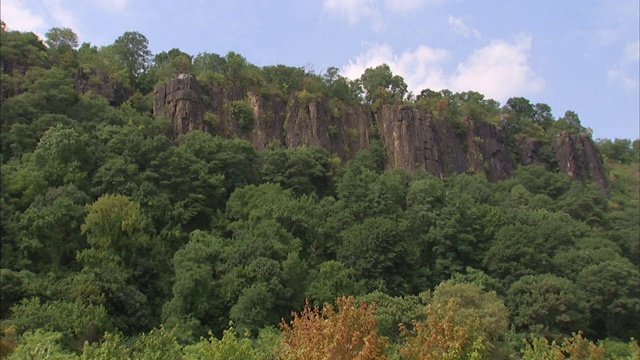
x=134, y=228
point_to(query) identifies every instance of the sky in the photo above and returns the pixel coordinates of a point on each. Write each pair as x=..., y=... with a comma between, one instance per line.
x=578, y=55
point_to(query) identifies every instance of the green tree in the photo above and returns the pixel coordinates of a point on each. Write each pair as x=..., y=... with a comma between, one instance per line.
x=382, y=87
x=455, y=238
x=40, y=344
x=286, y=79
x=195, y=304
x=118, y=264
x=547, y=303
x=330, y=280
x=50, y=90
x=62, y=43
x=478, y=310
x=49, y=230
x=73, y=321
x=393, y=311
x=167, y=64
x=229, y=347
x=131, y=49
x=619, y=150
x=20, y=50
x=612, y=293
x=379, y=253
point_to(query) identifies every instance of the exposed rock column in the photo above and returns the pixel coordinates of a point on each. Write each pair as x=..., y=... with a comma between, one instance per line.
x=579, y=158
x=180, y=100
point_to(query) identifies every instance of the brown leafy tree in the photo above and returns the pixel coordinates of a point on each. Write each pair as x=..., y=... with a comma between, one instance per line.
x=341, y=332
x=440, y=336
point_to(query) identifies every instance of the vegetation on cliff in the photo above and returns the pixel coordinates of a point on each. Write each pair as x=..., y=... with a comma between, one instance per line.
x=124, y=238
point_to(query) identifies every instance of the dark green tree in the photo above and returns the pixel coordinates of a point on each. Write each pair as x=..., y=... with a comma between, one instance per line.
x=380, y=254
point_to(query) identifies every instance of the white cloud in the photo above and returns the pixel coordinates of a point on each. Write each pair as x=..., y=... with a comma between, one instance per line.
x=352, y=10
x=112, y=5
x=64, y=17
x=356, y=10
x=617, y=75
x=420, y=68
x=459, y=27
x=499, y=70
x=622, y=72
x=403, y=6
x=18, y=16
x=632, y=52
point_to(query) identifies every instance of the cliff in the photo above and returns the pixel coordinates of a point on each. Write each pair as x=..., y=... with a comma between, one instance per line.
x=414, y=138
x=98, y=82
x=579, y=158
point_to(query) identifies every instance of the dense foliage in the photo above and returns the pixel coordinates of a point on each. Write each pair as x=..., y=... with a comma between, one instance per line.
x=121, y=242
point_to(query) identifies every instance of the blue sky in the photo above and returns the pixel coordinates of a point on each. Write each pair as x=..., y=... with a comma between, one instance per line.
x=579, y=55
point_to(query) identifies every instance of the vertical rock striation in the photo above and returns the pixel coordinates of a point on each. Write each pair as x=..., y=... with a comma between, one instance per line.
x=413, y=137
x=579, y=158
x=180, y=99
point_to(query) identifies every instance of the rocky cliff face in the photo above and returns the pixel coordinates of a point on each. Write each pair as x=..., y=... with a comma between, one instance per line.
x=342, y=131
x=180, y=99
x=579, y=158
x=414, y=138
x=98, y=82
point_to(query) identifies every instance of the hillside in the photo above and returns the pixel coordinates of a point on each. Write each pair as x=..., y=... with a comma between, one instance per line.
x=179, y=206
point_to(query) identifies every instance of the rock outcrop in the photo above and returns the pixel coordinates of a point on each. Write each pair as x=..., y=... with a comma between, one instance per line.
x=180, y=99
x=98, y=83
x=579, y=158
x=414, y=138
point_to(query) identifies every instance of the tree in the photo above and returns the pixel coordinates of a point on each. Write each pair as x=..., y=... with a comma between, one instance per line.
x=574, y=347
x=330, y=280
x=617, y=150
x=344, y=331
x=286, y=79
x=195, y=305
x=522, y=107
x=73, y=321
x=570, y=123
x=159, y=343
x=61, y=38
x=40, y=344
x=62, y=158
x=50, y=229
x=393, y=311
x=50, y=91
x=455, y=238
x=20, y=51
x=547, y=303
x=613, y=297
x=480, y=311
x=132, y=50
x=380, y=255
x=117, y=262
x=254, y=309
x=167, y=64
x=382, y=87
x=62, y=43
x=439, y=336
x=229, y=347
